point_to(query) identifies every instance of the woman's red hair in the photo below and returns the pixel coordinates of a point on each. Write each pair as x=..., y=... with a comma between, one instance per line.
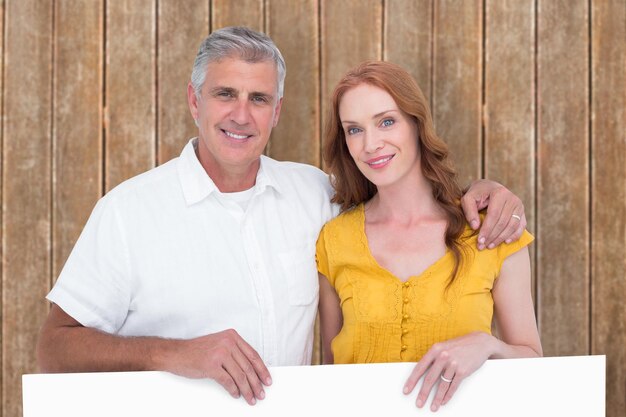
x=353, y=188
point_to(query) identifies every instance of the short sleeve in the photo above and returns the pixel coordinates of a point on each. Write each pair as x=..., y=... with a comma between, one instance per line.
x=93, y=286
x=321, y=254
x=507, y=249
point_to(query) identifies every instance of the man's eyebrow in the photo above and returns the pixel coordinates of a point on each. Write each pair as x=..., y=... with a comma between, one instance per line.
x=376, y=116
x=262, y=94
x=221, y=89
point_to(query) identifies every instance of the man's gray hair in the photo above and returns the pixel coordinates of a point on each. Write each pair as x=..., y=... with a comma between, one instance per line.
x=239, y=42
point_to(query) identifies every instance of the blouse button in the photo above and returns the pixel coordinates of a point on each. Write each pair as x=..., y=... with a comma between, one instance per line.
x=406, y=316
x=405, y=331
x=404, y=347
x=406, y=284
x=406, y=301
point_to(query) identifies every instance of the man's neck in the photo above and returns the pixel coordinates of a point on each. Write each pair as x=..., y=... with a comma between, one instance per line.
x=229, y=178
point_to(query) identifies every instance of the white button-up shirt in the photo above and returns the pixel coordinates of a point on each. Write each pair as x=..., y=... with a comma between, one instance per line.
x=167, y=254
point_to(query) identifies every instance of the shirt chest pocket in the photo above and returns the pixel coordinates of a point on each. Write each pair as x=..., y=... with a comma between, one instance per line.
x=298, y=267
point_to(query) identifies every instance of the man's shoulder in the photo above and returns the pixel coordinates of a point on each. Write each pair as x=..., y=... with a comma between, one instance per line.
x=287, y=171
x=157, y=181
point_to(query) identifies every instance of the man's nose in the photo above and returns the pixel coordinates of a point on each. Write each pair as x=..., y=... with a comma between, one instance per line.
x=240, y=114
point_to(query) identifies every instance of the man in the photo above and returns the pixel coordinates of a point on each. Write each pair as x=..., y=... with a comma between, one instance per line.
x=221, y=238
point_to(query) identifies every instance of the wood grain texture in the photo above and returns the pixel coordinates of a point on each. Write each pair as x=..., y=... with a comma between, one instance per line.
x=182, y=26
x=248, y=13
x=130, y=91
x=2, y=70
x=457, y=83
x=345, y=46
x=2, y=115
x=26, y=190
x=509, y=112
x=608, y=170
x=294, y=28
x=408, y=38
x=77, y=121
x=563, y=177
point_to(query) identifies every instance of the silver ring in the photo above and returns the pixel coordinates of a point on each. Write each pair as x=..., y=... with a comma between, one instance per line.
x=515, y=216
x=444, y=379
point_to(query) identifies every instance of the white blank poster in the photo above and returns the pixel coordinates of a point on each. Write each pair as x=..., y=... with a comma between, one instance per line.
x=564, y=386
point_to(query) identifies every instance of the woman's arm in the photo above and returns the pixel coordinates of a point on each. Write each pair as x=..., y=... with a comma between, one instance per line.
x=513, y=310
x=331, y=318
x=451, y=361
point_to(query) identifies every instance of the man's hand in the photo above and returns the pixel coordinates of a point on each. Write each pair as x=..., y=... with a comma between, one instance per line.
x=226, y=358
x=67, y=346
x=505, y=220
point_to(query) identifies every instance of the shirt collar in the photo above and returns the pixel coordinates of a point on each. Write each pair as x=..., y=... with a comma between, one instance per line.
x=197, y=184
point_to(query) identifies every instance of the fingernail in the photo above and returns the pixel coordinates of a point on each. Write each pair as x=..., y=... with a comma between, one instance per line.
x=268, y=381
x=508, y=241
x=474, y=224
x=420, y=403
x=491, y=246
x=434, y=408
x=406, y=390
x=481, y=246
x=481, y=239
x=253, y=401
x=262, y=394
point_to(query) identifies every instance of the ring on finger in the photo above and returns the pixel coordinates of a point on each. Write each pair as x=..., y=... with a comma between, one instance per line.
x=515, y=216
x=444, y=379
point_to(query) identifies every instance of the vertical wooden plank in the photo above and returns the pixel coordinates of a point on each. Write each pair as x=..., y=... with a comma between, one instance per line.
x=248, y=13
x=608, y=133
x=408, y=38
x=509, y=113
x=77, y=121
x=26, y=190
x=457, y=82
x=294, y=29
x=563, y=177
x=2, y=116
x=129, y=89
x=345, y=46
x=182, y=26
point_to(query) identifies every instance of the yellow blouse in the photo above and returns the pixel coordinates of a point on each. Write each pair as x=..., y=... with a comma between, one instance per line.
x=387, y=320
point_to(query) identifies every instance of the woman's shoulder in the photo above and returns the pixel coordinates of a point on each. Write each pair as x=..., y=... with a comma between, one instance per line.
x=348, y=219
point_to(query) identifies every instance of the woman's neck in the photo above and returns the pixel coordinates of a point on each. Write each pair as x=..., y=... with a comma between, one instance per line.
x=408, y=202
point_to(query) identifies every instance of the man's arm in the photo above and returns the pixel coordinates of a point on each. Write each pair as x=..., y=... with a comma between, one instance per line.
x=66, y=346
x=505, y=220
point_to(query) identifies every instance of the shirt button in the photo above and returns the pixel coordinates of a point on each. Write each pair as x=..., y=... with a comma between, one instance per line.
x=406, y=301
x=406, y=317
x=404, y=347
x=406, y=284
x=405, y=331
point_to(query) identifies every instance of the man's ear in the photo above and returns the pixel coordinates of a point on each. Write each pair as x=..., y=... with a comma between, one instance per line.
x=277, y=111
x=192, y=100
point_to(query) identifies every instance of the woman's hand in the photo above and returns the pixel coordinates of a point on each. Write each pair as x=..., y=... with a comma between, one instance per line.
x=449, y=363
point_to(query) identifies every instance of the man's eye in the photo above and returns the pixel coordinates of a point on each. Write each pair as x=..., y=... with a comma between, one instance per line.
x=259, y=99
x=387, y=122
x=353, y=130
x=224, y=94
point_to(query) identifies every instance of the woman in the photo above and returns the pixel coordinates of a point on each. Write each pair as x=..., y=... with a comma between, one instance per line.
x=400, y=276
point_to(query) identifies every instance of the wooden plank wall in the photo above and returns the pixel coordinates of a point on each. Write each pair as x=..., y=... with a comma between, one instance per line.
x=531, y=93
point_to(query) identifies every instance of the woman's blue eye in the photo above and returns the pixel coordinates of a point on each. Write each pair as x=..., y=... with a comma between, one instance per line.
x=387, y=122
x=353, y=130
